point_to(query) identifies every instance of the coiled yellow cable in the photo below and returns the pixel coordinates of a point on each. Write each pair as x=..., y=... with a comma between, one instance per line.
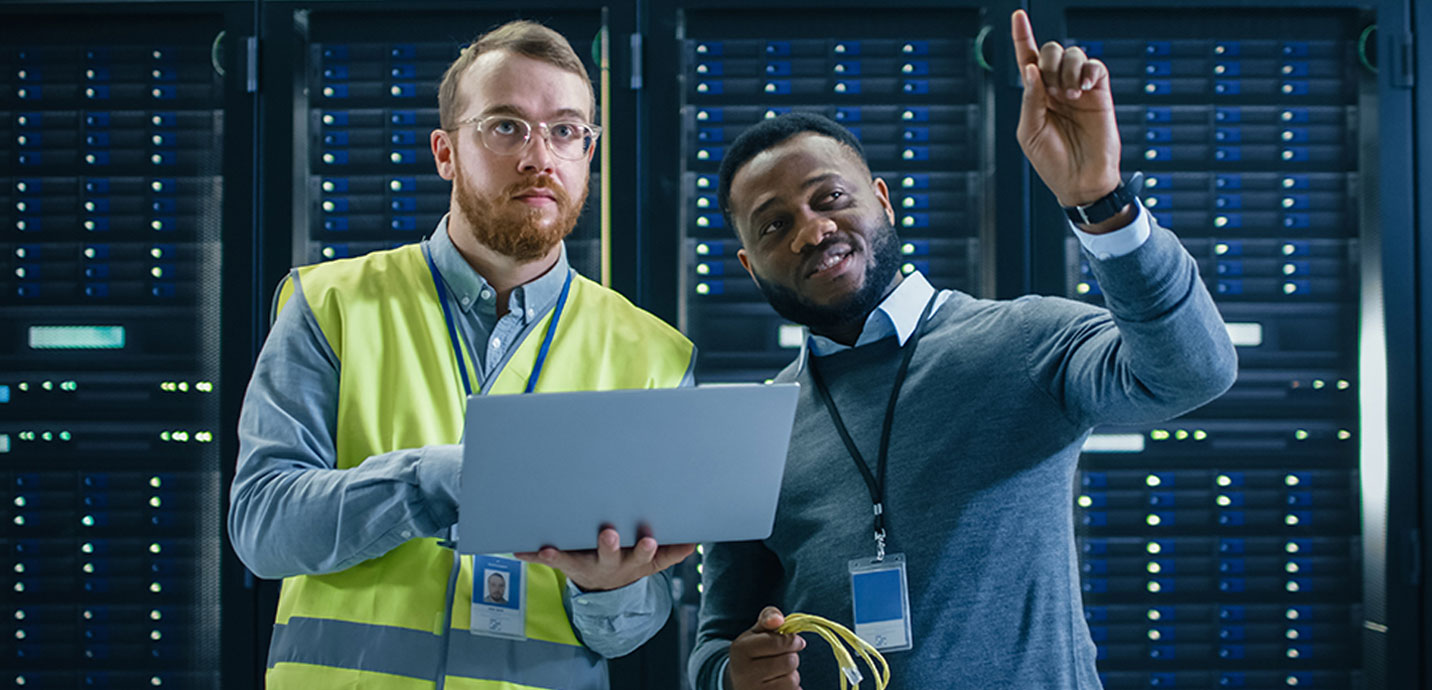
x=834, y=633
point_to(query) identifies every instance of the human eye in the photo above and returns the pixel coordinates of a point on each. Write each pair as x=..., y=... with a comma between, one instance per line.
x=771, y=227
x=567, y=130
x=505, y=127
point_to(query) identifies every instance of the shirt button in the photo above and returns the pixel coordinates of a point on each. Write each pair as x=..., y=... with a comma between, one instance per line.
x=486, y=294
x=407, y=534
x=531, y=313
x=497, y=342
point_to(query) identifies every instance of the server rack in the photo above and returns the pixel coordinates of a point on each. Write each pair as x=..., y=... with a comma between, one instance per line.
x=121, y=199
x=1227, y=548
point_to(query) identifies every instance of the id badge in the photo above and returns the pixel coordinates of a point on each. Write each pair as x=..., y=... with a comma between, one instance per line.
x=881, y=602
x=499, y=607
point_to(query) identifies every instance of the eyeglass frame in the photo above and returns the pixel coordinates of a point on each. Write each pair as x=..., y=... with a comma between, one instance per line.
x=546, y=129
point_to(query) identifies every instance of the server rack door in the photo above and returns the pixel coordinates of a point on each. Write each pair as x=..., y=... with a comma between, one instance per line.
x=120, y=191
x=1223, y=548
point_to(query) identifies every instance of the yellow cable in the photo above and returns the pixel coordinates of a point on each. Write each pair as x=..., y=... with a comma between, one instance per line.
x=834, y=633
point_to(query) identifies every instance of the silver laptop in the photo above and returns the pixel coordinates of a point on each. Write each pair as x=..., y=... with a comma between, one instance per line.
x=691, y=464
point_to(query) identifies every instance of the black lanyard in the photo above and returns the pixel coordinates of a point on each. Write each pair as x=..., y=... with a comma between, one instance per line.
x=876, y=484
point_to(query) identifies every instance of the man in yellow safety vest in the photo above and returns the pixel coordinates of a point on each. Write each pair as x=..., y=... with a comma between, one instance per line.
x=348, y=470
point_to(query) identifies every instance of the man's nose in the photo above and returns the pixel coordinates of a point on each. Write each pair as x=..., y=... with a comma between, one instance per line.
x=813, y=230
x=536, y=156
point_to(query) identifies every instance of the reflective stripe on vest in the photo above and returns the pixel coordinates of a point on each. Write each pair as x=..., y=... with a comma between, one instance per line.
x=414, y=654
x=398, y=388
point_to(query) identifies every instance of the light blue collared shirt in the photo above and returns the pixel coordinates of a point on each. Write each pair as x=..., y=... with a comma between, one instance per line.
x=476, y=300
x=898, y=313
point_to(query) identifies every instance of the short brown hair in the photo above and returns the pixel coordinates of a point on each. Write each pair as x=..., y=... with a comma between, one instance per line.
x=521, y=37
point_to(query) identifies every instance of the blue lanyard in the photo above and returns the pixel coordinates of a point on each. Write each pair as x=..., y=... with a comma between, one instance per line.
x=456, y=344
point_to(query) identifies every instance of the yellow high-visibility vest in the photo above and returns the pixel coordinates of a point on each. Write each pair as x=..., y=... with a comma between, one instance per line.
x=379, y=624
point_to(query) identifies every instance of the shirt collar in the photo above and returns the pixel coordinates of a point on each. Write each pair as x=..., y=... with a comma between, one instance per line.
x=468, y=286
x=897, y=315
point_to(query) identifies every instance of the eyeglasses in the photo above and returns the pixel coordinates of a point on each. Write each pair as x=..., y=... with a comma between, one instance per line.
x=507, y=135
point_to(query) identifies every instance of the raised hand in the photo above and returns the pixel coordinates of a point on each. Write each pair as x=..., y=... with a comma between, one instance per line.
x=1066, y=122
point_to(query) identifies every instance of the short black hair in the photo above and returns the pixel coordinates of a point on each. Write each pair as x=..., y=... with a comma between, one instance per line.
x=765, y=135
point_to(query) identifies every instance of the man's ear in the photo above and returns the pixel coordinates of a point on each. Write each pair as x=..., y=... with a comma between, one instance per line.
x=882, y=192
x=745, y=260
x=443, y=152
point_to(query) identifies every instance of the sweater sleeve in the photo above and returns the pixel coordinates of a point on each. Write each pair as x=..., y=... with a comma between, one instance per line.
x=738, y=579
x=1159, y=350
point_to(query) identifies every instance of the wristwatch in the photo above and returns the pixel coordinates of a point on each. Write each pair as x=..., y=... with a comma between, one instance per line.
x=1109, y=206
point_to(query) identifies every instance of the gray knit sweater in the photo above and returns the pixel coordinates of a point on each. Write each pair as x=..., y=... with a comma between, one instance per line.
x=988, y=429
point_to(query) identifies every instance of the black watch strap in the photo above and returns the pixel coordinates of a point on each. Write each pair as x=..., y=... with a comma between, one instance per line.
x=1109, y=206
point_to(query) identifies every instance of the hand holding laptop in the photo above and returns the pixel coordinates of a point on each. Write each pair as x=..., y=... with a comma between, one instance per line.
x=609, y=566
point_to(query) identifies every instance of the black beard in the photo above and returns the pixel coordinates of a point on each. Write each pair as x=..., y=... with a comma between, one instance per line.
x=879, y=271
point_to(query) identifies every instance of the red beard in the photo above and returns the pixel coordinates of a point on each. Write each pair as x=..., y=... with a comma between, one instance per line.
x=512, y=228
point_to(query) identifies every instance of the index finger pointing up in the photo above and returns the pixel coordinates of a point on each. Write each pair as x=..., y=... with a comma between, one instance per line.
x=1026, y=51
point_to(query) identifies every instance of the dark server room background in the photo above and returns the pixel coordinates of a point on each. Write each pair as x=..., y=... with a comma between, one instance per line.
x=162, y=164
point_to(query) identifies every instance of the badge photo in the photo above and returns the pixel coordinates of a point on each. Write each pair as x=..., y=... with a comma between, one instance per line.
x=498, y=601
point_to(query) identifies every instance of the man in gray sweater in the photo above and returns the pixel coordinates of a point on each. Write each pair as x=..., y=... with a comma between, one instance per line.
x=940, y=528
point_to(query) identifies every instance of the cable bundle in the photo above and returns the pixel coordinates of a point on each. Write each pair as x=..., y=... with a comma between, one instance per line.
x=834, y=633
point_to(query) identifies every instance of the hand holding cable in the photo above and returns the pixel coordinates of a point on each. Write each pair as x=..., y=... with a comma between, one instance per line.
x=767, y=656
x=763, y=658
x=838, y=636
